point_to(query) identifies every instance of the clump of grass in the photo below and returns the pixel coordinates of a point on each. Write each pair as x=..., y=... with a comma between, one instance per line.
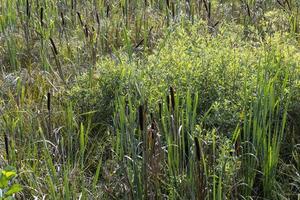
x=167, y=154
x=262, y=136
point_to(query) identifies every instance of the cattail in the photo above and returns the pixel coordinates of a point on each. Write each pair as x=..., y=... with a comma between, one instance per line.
x=79, y=17
x=49, y=101
x=216, y=24
x=279, y=2
x=141, y=42
x=6, y=145
x=53, y=47
x=97, y=18
x=141, y=117
x=173, y=10
x=209, y=10
x=86, y=31
x=248, y=10
x=62, y=19
x=172, y=94
x=55, y=52
x=107, y=11
x=168, y=4
x=27, y=9
x=160, y=109
x=42, y=16
x=150, y=30
x=197, y=147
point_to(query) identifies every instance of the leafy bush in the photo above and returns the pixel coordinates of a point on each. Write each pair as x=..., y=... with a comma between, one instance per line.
x=96, y=92
x=223, y=69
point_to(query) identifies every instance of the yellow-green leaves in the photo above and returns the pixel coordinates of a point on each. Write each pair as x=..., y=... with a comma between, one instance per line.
x=7, y=187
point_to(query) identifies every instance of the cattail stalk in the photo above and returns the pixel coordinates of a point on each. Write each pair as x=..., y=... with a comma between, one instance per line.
x=141, y=117
x=173, y=10
x=86, y=31
x=55, y=53
x=107, y=11
x=248, y=9
x=27, y=9
x=6, y=143
x=197, y=148
x=53, y=47
x=201, y=192
x=172, y=94
x=168, y=4
x=142, y=122
x=97, y=19
x=49, y=112
x=160, y=109
x=42, y=16
x=49, y=101
x=80, y=19
x=62, y=19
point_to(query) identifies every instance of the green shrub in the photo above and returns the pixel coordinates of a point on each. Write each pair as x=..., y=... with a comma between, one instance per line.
x=223, y=69
x=96, y=92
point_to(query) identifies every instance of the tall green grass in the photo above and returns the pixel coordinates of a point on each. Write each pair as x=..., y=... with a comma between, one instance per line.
x=262, y=136
x=173, y=155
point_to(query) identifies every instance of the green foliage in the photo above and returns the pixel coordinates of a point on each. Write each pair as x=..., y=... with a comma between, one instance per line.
x=169, y=158
x=220, y=81
x=262, y=136
x=222, y=68
x=151, y=99
x=8, y=188
x=95, y=92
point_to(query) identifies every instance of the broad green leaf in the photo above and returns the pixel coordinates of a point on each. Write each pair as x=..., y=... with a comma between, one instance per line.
x=3, y=181
x=15, y=188
x=9, y=174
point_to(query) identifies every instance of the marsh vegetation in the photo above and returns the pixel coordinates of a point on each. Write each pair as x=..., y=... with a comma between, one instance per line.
x=153, y=99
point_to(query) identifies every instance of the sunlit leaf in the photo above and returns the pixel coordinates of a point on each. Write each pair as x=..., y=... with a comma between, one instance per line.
x=15, y=188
